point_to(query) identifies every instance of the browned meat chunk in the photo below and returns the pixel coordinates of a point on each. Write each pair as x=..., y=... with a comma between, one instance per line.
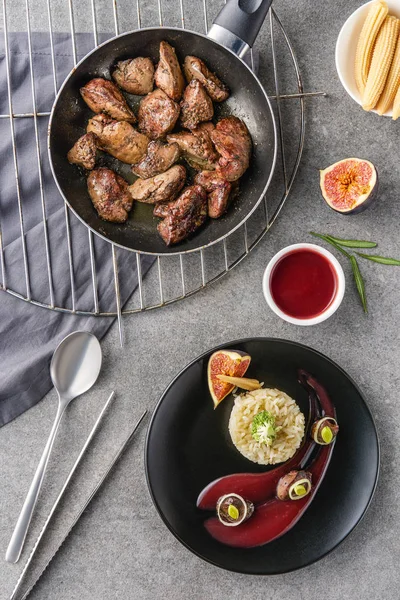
x=160, y=188
x=204, y=129
x=103, y=96
x=158, y=159
x=168, y=75
x=197, y=148
x=118, y=138
x=83, y=152
x=157, y=114
x=110, y=195
x=188, y=213
x=218, y=191
x=285, y=483
x=195, y=68
x=135, y=75
x=163, y=209
x=196, y=105
x=233, y=142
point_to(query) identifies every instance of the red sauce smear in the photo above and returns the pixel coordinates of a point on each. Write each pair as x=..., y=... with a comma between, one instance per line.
x=303, y=284
x=257, y=487
x=317, y=390
x=274, y=518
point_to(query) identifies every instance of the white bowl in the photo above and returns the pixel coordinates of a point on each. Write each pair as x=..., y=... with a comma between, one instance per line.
x=341, y=284
x=346, y=46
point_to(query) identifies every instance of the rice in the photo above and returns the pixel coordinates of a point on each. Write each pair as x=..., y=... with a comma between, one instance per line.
x=287, y=415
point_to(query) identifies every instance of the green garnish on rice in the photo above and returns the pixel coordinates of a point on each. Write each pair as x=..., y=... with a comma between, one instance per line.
x=263, y=428
x=287, y=428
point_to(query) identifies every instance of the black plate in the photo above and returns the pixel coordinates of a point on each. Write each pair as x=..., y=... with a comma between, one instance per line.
x=188, y=446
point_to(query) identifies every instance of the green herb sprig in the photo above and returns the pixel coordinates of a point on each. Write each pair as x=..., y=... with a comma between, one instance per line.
x=352, y=243
x=358, y=278
x=383, y=260
x=340, y=244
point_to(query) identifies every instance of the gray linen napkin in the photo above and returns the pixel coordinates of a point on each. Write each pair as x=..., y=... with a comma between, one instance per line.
x=28, y=333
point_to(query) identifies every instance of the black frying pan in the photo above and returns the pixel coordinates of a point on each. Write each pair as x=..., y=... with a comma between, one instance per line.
x=233, y=32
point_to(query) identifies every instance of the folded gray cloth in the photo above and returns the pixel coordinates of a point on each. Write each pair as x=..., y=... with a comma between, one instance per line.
x=28, y=333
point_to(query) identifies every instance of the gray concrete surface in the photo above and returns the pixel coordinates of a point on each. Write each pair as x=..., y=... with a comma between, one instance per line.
x=121, y=549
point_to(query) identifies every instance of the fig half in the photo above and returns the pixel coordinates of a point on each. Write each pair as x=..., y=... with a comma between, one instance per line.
x=225, y=362
x=350, y=185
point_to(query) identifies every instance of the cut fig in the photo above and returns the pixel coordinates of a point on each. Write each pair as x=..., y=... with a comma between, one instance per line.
x=225, y=362
x=350, y=185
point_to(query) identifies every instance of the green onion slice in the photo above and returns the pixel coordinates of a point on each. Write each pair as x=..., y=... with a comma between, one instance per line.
x=233, y=512
x=326, y=434
x=321, y=428
x=299, y=489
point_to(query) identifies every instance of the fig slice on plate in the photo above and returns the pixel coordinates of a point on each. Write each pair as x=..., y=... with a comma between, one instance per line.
x=225, y=362
x=350, y=185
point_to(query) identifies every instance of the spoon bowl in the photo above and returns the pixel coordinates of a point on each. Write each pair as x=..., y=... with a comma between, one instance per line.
x=76, y=364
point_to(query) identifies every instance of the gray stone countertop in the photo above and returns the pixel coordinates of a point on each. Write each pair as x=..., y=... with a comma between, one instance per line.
x=120, y=548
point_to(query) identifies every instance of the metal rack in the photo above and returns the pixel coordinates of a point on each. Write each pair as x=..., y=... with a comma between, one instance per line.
x=170, y=278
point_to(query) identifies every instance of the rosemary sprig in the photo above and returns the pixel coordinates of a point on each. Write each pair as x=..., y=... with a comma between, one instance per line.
x=383, y=260
x=359, y=282
x=354, y=265
x=352, y=243
x=330, y=241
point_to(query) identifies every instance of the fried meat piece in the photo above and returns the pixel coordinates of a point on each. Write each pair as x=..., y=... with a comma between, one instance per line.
x=196, y=105
x=197, y=148
x=110, y=195
x=233, y=142
x=168, y=75
x=157, y=114
x=195, y=68
x=83, y=152
x=218, y=191
x=103, y=96
x=158, y=159
x=135, y=75
x=186, y=215
x=160, y=188
x=118, y=138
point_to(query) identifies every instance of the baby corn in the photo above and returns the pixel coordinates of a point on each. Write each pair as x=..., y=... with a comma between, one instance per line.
x=376, y=16
x=396, y=106
x=381, y=61
x=392, y=83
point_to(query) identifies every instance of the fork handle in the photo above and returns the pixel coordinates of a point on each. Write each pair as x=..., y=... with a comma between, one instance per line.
x=21, y=528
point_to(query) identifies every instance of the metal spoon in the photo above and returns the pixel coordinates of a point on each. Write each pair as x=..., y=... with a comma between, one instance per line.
x=74, y=369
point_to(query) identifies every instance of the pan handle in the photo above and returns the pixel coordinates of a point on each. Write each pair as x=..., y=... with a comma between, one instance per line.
x=238, y=24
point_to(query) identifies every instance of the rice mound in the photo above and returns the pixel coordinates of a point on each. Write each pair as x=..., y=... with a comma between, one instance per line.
x=287, y=415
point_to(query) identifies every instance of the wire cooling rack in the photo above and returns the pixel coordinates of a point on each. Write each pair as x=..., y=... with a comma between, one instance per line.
x=170, y=278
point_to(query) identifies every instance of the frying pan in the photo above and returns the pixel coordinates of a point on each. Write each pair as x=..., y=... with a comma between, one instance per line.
x=232, y=34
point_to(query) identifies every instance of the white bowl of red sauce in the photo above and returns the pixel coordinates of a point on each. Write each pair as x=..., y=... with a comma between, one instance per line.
x=304, y=284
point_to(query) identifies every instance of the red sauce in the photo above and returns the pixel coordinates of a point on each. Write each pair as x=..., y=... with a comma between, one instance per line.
x=273, y=518
x=303, y=284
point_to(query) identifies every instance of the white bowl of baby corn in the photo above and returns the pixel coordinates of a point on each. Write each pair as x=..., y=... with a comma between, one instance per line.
x=346, y=47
